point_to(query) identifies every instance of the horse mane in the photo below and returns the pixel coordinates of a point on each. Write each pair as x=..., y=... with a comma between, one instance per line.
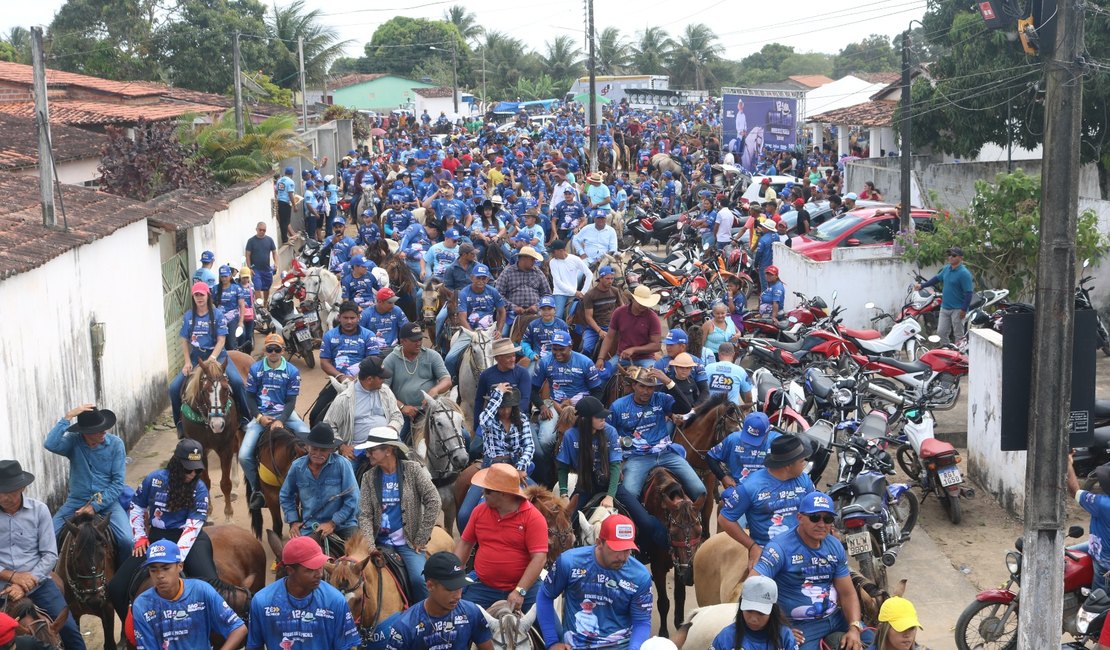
x=207, y=368
x=357, y=545
x=88, y=541
x=539, y=495
x=696, y=338
x=508, y=619
x=715, y=400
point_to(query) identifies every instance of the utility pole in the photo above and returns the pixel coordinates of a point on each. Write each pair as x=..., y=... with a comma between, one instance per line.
x=485, y=98
x=304, y=95
x=593, y=85
x=1042, y=575
x=455, y=76
x=237, y=64
x=904, y=221
x=42, y=125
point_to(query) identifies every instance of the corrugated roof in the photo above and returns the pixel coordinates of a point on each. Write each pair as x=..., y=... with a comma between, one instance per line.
x=69, y=111
x=19, y=148
x=434, y=92
x=879, y=77
x=22, y=74
x=873, y=113
x=811, y=80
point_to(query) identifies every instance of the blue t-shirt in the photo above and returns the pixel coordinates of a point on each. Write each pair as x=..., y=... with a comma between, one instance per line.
x=283, y=187
x=743, y=453
x=360, y=290
x=568, y=451
x=599, y=604
x=272, y=387
x=368, y=233
x=455, y=207
x=345, y=351
x=804, y=575
x=320, y=621
x=153, y=495
x=1098, y=505
x=754, y=640
x=727, y=377
x=416, y=629
x=573, y=379
x=392, y=531
x=567, y=215
x=415, y=242
x=229, y=300
x=537, y=336
x=770, y=504
x=185, y=623
x=643, y=428
x=384, y=328
x=776, y=293
x=202, y=340
x=439, y=257
x=477, y=305
x=957, y=283
x=399, y=220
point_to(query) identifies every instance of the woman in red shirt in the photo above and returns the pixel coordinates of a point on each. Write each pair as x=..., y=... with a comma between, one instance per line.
x=869, y=193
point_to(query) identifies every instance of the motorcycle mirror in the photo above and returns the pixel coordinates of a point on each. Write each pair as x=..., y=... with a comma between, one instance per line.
x=238, y=331
x=1086, y=263
x=934, y=339
x=1075, y=531
x=834, y=294
x=869, y=305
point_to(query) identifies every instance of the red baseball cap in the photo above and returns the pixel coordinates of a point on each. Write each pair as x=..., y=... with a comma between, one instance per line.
x=305, y=552
x=386, y=293
x=619, y=533
x=200, y=286
x=773, y=270
x=799, y=202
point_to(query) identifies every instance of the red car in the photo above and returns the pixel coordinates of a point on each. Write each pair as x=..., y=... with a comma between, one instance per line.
x=860, y=227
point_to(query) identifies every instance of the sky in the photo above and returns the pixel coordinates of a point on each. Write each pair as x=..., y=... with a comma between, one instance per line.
x=810, y=26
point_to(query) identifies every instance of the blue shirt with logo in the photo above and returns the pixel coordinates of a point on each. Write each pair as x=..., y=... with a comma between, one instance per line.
x=1098, y=505
x=476, y=305
x=416, y=629
x=153, y=496
x=537, y=336
x=392, y=531
x=644, y=426
x=754, y=639
x=444, y=207
x=360, y=290
x=384, y=328
x=771, y=505
x=727, y=377
x=399, y=220
x=776, y=293
x=184, y=623
x=570, y=380
x=743, y=453
x=198, y=330
x=698, y=374
x=345, y=351
x=283, y=187
x=439, y=257
x=568, y=215
x=568, y=451
x=320, y=621
x=229, y=300
x=368, y=233
x=804, y=575
x=272, y=387
x=415, y=242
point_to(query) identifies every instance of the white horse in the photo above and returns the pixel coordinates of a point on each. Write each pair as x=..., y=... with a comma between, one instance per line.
x=322, y=287
x=441, y=447
x=478, y=357
x=511, y=629
x=704, y=624
x=753, y=146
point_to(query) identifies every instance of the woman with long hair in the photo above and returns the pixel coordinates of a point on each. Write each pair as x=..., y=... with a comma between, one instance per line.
x=898, y=626
x=759, y=620
x=232, y=300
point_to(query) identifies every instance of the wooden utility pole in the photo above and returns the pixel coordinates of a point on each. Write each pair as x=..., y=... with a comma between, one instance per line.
x=304, y=95
x=42, y=126
x=592, y=121
x=1042, y=575
x=237, y=64
x=904, y=222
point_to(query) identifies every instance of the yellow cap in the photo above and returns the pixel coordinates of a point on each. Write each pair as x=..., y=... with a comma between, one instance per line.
x=900, y=613
x=245, y=272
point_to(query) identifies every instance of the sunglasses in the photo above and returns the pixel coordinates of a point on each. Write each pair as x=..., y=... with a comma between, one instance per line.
x=273, y=348
x=825, y=518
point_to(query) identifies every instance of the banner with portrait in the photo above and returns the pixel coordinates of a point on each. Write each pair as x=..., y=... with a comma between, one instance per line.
x=752, y=123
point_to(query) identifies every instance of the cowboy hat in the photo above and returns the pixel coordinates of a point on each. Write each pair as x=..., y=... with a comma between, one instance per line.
x=381, y=437
x=504, y=346
x=12, y=476
x=643, y=295
x=94, y=421
x=499, y=477
x=643, y=376
x=322, y=436
x=594, y=177
x=531, y=252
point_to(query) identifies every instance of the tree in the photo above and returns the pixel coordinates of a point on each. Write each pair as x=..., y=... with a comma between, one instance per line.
x=7, y=52
x=506, y=62
x=196, y=49
x=401, y=43
x=360, y=124
x=233, y=159
x=321, y=44
x=150, y=162
x=19, y=38
x=611, y=53
x=650, y=51
x=695, y=50
x=113, y=39
x=876, y=53
x=541, y=87
x=563, y=60
x=764, y=66
x=465, y=22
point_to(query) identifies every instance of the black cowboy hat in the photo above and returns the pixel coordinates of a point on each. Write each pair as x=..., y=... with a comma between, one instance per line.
x=12, y=476
x=94, y=421
x=322, y=436
x=511, y=398
x=785, y=450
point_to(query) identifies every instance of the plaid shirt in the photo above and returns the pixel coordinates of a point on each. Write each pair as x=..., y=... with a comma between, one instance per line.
x=516, y=443
x=522, y=288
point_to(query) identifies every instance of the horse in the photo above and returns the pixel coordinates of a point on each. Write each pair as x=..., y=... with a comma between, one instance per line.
x=441, y=447
x=711, y=423
x=322, y=292
x=662, y=162
x=277, y=449
x=512, y=630
x=86, y=564
x=494, y=257
x=477, y=357
x=210, y=416
x=34, y=621
x=618, y=385
x=720, y=568
x=434, y=296
x=664, y=499
x=403, y=282
x=753, y=147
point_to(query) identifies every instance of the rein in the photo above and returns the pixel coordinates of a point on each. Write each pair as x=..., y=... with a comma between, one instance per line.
x=85, y=595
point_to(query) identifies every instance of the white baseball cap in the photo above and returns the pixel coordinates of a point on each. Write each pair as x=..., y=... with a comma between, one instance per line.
x=760, y=594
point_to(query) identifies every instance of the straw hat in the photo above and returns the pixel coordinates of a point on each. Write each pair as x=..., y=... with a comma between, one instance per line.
x=643, y=295
x=499, y=477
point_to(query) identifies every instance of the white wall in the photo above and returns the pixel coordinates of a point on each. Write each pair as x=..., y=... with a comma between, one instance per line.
x=435, y=105
x=1002, y=473
x=46, y=352
x=227, y=233
x=842, y=93
x=71, y=172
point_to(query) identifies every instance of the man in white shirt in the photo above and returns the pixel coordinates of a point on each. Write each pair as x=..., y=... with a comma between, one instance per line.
x=561, y=186
x=593, y=243
x=725, y=221
x=566, y=269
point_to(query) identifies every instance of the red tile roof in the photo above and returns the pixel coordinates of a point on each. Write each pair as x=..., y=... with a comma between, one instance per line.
x=878, y=77
x=811, y=80
x=349, y=80
x=874, y=113
x=434, y=92
x=181, y=209
x=68, y=111
x=212, y=99
x=19, y=149
x=22, y=74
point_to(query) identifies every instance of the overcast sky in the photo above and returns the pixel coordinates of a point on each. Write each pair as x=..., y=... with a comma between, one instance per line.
x=807, y=25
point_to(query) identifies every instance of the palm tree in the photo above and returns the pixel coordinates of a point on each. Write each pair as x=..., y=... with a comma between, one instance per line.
x=20, y=40
x=611, y=55
x=232, y=159
x=649, y=53
x=696, y=49
x=504, y=56
x=321, y=44
x=563, y=60
x=465, y=22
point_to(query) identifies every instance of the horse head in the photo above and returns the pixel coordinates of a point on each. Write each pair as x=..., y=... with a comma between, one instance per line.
x=88, y=557
x=560, y=535
x=36, y=622
x=682, y=520
x=208, y=394
x=443, y=446
x=509, y=628
x=431, y=301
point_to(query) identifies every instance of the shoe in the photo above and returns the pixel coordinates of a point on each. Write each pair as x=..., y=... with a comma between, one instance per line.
x=258, y=501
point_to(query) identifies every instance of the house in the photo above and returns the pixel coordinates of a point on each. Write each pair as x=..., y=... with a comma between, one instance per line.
x=870, y=104
x=375, y=92
x=76, y=151
x=441, y=99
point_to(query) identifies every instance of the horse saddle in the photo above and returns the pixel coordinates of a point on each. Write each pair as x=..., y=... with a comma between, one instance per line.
x=396, y=565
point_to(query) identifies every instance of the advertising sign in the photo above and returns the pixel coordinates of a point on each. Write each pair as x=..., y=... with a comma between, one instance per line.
x=752, y=123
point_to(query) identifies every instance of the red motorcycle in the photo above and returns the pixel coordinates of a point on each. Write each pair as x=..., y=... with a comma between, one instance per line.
x=933, y=380
x=992, y=620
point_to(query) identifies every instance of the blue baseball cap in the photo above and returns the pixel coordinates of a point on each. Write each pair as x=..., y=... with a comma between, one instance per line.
x=338, y=221
x=668, y=174
x=756, y=424
x=369, y=212
x=816, y=502
x=288, y=170
x=225, y=271
x=676, y=336
x=309, y=184
x=604, y=271
x=163, y=551
x=207, y=256
x=359, y=260
x=480, y=270
x=452, y=233
x=560, y=338
x=547, y=301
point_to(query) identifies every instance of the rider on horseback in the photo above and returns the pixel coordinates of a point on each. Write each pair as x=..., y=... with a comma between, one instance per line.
x=384, y=320
x=481, y=306
x=443, y=614
x=506, y=438
x=319, y=495
x=570, y=377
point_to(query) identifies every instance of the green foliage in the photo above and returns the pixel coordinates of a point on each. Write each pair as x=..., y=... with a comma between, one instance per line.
x=113, y=39
x=271, y=92
x=689, y=61
x=541, y=87
x=400, y=44
x=150, y=162
x=360, y=125
x=233, y=160
x=999, y=235
x=611, y=53
x=19, y=38
x=465, y=22
x=321, y=44
x=875, y=53
x=562, y=62
x=196, y=49
x=649, y=51
x=7, y=52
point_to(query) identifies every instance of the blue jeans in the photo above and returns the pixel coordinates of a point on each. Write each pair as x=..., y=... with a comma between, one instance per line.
x=117, y=522
x=414, y=566
x=233, y=378
x=561, y=305
x=816, y=630
x=589, y=340
x=544, y=455
x=47, y=596
x=638, y=466
x=483, y=595
x=441, y=318
x=414, y=266
x=248, y=459
x=454, y=355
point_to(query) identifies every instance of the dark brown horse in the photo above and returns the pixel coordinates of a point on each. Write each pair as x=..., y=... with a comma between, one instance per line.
x=711, y=423
x=665, y=500
x=277, y=449
x=495, y=259
x=86, y=564
x=35, y=622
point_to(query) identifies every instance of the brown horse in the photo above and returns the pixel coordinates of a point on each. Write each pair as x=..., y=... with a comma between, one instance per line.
x=404, y=283
x=712, y=421
x=277, y=449
x=86, y=564
x=665, y=500
x=33, y=621
x=210, y=416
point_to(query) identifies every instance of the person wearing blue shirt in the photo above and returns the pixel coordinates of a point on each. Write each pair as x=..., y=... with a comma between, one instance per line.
x=180, y=613
x=503, y=370
x=283, y=192
x=332, y=191
x=273, y=385
x=443, y=254
x=537, y=335
x=97, y=461
x=759, y=623
x=416, y=241
x=480, y=306
x=569, y=215
x=301, y=610
x=368, y=230
x=606, y=593
x=675, y=344
x=205, y=273
x=384, y=320
x=773, y=296
x=397, y=219
x=955, y=298
x=443, y=620
x=768, y=497
x=232, y=299
x=725, y=376
x=443, y=201
x=1098, y=506
x=360, y=285
x=320, y=495
x=741, y=453
x=764, y=253
x=530, y=234
x=810, y=568
x=340, y=245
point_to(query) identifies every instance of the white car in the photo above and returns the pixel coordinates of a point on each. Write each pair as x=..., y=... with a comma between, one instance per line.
x=755, y=190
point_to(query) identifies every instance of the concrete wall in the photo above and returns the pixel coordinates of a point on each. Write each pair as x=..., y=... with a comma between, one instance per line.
x=227, y=233
x=71, y=172
x=46, y=352
x=1002, y=473
x=382, y=94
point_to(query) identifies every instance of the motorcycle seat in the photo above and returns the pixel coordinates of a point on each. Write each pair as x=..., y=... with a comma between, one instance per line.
x=931, y=448
x=908, y=366
x=659, y=259
x=789, y=346
x=1102, y=437
x=873, y=425
x=977, y=301
x=865, y=504
x=1102, y=409
x=765, y=384
x=820, y=384
x=863, y=335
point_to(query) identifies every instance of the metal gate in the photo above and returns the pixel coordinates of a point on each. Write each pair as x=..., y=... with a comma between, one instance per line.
x=175, y=299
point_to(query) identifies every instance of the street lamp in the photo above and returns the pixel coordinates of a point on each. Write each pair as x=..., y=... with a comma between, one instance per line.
x=454, y=74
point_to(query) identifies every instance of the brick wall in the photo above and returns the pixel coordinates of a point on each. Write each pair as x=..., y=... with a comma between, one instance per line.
x=14, y=93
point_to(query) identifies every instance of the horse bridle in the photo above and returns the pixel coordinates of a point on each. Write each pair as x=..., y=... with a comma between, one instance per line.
x=99, y=589
x=688, y=539
x=379, y=563
x=442, y=442
x=214, y=407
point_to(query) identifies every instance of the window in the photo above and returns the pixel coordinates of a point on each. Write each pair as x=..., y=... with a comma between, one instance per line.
x=879, y=232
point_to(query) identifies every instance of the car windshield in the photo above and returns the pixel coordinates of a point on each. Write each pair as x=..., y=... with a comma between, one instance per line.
x=834, y=228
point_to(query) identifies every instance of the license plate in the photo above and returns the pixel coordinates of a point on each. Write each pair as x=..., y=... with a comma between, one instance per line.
x=311, y=317
x=302, y=335
x=858, y=543
x=950, y=476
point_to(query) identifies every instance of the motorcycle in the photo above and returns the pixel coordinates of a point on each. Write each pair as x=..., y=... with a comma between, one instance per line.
x=1083, y=301
x=932, y=381
x=1092, y=615
x=993, y=617
x=932, y=463
x=293, y=325
x=683, y=308
x=809, y=310
x=312, y=254
x=1086, y=459
x=654, y=270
